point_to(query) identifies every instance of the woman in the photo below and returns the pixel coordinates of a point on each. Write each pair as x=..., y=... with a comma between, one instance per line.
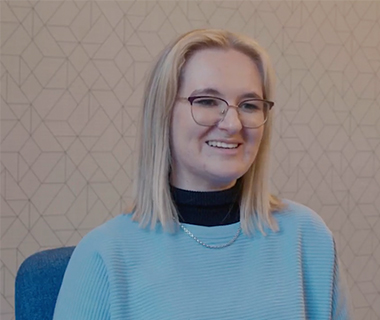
x=206, y=240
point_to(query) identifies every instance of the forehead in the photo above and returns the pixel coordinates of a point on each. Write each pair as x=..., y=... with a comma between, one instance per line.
x=228, y=71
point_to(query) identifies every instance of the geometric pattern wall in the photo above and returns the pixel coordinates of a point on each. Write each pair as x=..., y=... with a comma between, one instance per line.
x=72, y=76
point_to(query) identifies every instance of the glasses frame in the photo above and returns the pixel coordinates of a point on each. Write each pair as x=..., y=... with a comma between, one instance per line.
x=224, y=112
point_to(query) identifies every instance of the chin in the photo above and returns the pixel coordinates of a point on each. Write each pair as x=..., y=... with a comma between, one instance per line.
x=232, y=174
x=225, y=181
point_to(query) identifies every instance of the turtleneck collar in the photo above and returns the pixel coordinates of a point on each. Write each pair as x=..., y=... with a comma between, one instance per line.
x=211, y=208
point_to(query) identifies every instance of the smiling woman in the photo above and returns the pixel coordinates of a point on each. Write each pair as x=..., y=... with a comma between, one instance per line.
x=186, y=65
x=205, y=239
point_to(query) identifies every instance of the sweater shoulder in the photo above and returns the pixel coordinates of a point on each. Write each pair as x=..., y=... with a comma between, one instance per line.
x=301, y=219
x=108, y=233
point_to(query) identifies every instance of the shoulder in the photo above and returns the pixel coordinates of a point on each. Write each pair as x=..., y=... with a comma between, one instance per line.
x=300, y=219
x=110, y=233
x=90, y=275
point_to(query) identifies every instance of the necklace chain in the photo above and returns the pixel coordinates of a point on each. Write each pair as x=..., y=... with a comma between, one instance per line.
x=211, y=246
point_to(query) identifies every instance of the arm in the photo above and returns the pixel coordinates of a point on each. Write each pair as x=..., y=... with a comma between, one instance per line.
x=84, y=292
x=341, y=307
x=326, y=295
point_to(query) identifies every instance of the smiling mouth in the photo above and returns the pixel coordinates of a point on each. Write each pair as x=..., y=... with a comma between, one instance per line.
x=223, y=145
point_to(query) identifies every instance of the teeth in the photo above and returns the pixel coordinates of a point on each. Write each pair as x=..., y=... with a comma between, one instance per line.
x=219, y=144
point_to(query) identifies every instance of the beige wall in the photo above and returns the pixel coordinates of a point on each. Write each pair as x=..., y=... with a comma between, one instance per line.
x=72, y=75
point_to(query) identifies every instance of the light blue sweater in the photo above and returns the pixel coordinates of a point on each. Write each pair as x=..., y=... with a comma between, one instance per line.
x=120, y=271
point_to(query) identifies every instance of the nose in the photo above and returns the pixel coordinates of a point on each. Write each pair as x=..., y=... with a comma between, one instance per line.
x=231, y=121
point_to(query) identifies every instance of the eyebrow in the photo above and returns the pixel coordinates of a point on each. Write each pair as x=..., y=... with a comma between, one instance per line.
x=206, y=91
x=215, y=92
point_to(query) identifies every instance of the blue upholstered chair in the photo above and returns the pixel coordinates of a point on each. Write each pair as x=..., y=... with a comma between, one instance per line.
x=38, y=282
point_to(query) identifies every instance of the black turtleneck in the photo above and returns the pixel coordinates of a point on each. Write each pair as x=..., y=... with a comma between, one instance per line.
x=213, y=208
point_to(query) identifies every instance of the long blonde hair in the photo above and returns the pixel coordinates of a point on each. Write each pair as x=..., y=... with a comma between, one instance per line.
x=153, y=201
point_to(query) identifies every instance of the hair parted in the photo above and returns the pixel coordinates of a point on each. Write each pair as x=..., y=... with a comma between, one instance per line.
x=153, y=202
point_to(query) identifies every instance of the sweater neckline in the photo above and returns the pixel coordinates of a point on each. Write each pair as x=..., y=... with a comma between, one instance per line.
x=208, y=208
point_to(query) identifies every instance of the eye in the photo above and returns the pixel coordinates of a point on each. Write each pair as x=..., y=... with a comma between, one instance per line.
x=251, y=106
x=206, y=102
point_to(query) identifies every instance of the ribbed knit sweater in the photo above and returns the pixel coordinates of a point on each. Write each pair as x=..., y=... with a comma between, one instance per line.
x=120, y=271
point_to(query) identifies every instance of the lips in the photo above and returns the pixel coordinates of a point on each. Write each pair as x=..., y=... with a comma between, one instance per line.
x=223, y=145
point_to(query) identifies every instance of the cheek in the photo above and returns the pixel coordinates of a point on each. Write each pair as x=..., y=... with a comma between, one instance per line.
x=183, y=141
x=254, y=139
x=178, y=126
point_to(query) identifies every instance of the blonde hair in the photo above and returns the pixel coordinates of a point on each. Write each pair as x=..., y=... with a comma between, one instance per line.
x=153, y=201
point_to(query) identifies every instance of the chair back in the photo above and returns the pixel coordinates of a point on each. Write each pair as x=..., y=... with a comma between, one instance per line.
x=38, y=281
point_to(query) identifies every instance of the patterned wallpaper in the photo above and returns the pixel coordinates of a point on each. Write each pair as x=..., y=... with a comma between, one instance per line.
x=72, y=74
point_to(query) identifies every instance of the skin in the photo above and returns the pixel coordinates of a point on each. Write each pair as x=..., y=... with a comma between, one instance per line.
x=233, y=76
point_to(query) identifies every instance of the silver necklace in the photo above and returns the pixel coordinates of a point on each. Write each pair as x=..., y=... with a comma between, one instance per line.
x=211, y=246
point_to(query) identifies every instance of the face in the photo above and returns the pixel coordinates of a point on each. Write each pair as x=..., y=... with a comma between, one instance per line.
x=213, y=158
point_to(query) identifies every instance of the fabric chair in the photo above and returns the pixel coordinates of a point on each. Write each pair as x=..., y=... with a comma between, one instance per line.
x=38, y=282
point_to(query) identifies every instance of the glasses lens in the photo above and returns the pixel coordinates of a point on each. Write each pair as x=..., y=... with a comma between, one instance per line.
x=253, y=113
x=208, y=111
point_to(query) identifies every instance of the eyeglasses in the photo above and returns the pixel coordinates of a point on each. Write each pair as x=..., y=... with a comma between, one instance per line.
x=208, y=111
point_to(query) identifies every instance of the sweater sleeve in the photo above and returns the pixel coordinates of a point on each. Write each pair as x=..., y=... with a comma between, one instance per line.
x=341, y=307
x=84, y=293
x=326, y=294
